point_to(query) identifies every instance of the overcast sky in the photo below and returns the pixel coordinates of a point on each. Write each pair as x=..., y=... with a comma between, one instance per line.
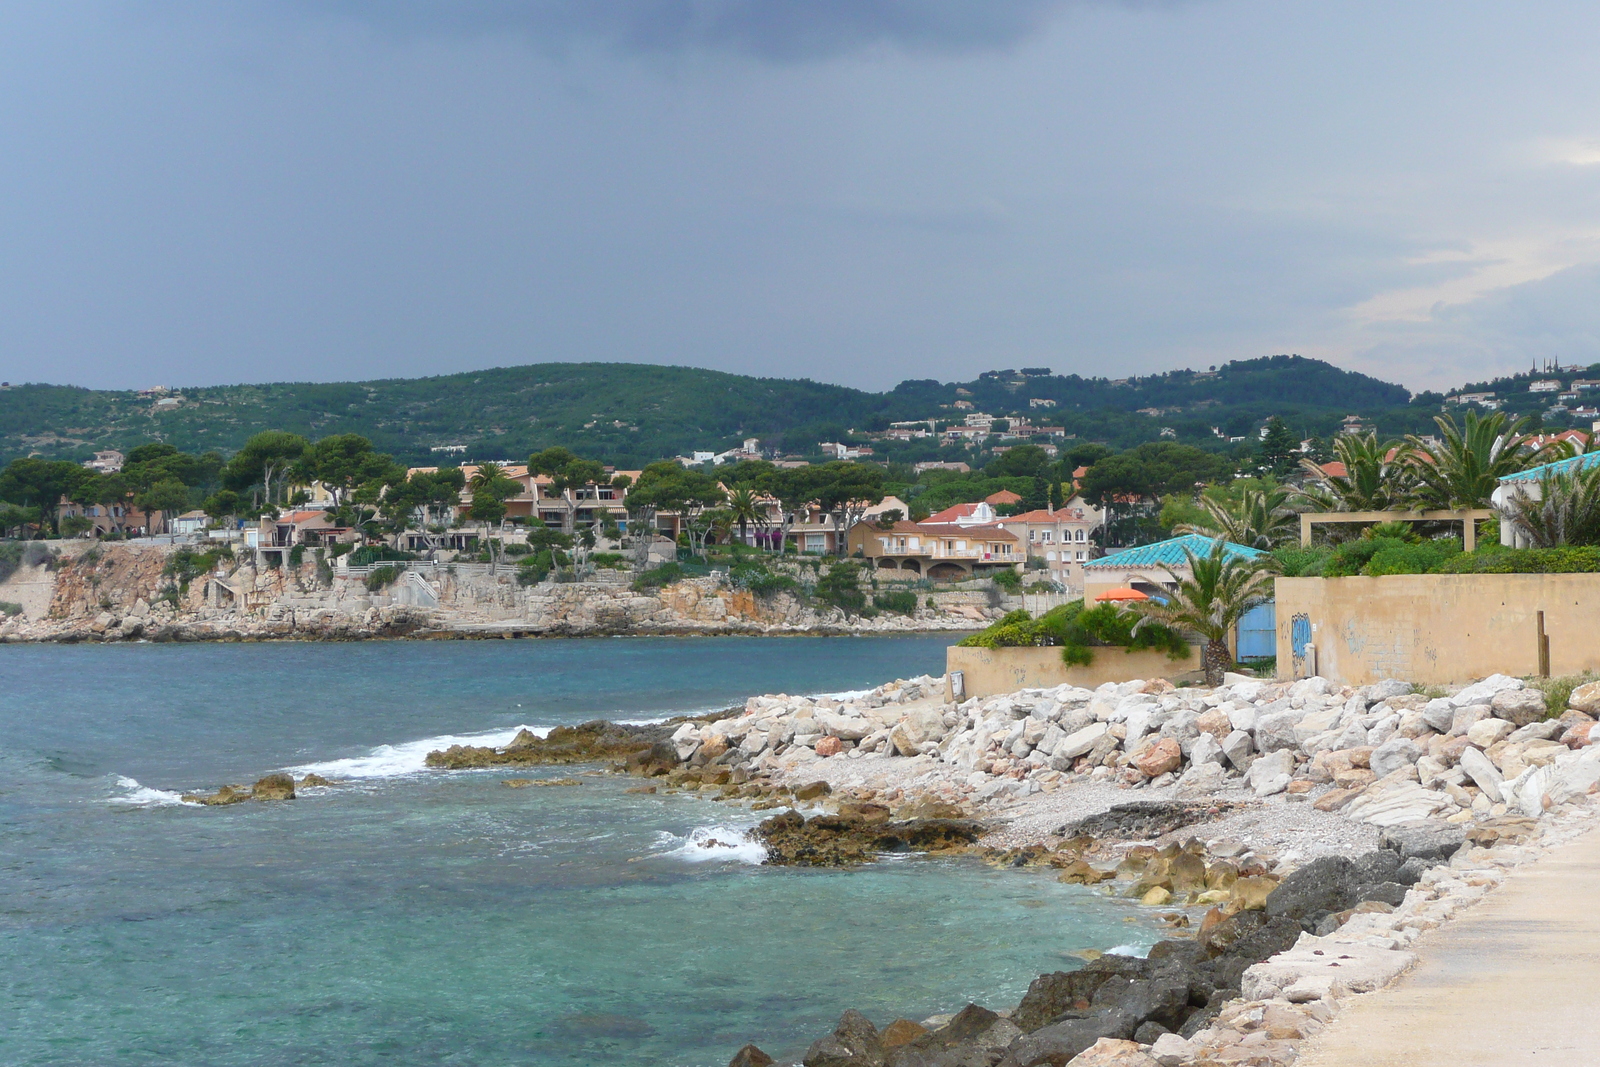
x=857, y=191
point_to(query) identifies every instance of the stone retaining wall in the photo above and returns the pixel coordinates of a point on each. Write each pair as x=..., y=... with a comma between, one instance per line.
x=1435, y=629
x=987, y=671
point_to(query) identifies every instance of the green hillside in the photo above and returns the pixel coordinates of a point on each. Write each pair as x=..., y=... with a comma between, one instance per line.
x=630, y=414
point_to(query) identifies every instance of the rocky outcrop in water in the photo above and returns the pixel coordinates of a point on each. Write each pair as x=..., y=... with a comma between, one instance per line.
x=644, y=750
x=847, y=839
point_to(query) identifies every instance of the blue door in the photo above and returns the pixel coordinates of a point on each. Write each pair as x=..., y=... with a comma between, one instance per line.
x=1258, y=633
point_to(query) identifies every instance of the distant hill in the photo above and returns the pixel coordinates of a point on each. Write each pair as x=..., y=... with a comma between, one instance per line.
x=630, y=414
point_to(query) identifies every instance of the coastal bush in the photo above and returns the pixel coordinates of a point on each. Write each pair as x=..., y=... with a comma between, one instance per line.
x=515, y=550
x=8, y=607
x=615, y=561
x=379, y=577
x=367, y=555
x=1009, y=580
x=755, y=576
x=1295, y=562
x=297, y=555
x=324, y=568
x=1568, y=560
x=902, y=602
x=665, y=574
x=1404, y=557
x=840, y=587
x=185, y=565
x=1078, y=630
x=1557, y=691
x=10, y=558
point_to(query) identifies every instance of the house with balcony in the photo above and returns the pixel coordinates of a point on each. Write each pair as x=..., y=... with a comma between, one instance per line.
x=1060, y=538
x=276, y=538
x=940, y=551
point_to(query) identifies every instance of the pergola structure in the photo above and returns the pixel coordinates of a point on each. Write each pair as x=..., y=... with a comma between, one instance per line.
x=1467, y=517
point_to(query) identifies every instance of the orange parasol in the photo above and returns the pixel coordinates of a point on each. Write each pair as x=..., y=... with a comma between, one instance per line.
x=1120, y=594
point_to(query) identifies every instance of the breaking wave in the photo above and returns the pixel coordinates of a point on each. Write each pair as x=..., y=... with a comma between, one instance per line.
x=713, y=843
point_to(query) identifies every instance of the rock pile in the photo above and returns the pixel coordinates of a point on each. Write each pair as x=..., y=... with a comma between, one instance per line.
x=1380, y=754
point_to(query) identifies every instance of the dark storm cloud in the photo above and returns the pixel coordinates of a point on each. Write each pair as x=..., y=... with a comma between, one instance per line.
x=771, y=29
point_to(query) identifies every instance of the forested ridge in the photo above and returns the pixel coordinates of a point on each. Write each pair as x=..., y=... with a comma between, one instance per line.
x=630, y=414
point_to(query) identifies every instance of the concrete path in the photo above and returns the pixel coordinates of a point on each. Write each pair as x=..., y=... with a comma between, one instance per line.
x=1514, y=980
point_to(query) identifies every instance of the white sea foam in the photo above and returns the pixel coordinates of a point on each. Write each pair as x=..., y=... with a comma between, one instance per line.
x=709, y=843
x=142, y=796
x=1130, y=949
x=410, y=757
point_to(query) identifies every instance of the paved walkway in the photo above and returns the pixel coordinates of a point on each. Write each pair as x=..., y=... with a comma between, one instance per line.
x=1514, y=980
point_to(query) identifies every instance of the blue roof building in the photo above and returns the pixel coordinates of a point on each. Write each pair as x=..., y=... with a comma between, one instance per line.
x=1144, y=568
x=1560, y=466
x=1170, y=553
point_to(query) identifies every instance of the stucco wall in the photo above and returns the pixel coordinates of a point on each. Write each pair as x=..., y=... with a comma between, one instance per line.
x=987, y=671
x=1434, y=629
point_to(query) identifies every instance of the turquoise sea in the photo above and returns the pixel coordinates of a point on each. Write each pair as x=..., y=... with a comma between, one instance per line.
x=415, y=917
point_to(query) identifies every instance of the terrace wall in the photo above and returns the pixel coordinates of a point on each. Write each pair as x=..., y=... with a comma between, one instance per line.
x=1436, y=629
x=987, y=671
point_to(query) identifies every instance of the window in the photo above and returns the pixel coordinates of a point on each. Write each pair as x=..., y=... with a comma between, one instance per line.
x=1047, y=536
x=1050, y=556
x=1080, y=538
x=914, y=543
x=1080, y=557
x=816, y=542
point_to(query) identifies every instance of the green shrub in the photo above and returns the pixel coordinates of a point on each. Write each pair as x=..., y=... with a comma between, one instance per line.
x=1411, y=558
x=665, y=574
x=902, y=602
x=297, y=555
x=841, y=588
x=8, y=607
x=515, y=550
x=1496, y=560
x=1009, y=580
x=367, y=555
x=759, y=579
x=186, y=564
x=1078, y=630
x=379, y=577
x=615, y=561
x=1296, y=562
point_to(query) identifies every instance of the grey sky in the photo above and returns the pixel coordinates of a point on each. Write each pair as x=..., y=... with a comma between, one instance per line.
x=857, y=191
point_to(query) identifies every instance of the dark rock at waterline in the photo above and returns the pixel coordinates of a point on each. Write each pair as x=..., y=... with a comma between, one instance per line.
x=1059, y=1042
x=1180, y=987
x=750, y=1056
x=644, y=748
x=1333, y=884
x=228, y=794
x=853, y=1043
x=845, y=840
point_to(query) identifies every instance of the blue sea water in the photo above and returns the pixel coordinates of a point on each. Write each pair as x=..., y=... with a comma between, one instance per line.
x=414, y=917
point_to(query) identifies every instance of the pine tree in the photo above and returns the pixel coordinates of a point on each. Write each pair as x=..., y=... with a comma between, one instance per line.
x=1277, y=448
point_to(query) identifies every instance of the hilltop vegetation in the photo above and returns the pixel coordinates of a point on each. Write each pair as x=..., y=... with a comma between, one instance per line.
x=629, y=414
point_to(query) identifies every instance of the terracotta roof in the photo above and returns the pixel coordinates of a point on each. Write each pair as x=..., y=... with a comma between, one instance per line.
x=1335, y=469
x=1004, y=496
x=960, y=511
x=1042, y=515
x=972, y=533
x=303, y=516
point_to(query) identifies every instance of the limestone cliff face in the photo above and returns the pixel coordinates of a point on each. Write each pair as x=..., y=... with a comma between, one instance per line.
x=122, y=591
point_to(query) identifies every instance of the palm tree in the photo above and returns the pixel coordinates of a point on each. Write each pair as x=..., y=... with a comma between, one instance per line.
x=1211, y=601
x=1260, y=518
x=1566, y=511
x=744, y=504
x=1376, y=476
x=1464, y=468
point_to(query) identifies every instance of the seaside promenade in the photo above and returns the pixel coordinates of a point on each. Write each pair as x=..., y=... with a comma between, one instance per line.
x=1509, y=982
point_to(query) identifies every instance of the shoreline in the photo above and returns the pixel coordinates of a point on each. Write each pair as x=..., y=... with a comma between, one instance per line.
x=1254, y=818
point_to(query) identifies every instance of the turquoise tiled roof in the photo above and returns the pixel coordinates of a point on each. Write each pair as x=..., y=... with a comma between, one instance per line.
x=1170, y=553
x=1575, y=463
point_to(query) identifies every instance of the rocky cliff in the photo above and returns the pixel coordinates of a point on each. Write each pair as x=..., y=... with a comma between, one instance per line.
x=111, y=592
